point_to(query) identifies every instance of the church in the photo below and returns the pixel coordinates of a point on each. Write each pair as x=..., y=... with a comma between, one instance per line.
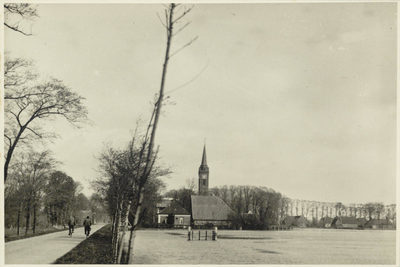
x=208, y=210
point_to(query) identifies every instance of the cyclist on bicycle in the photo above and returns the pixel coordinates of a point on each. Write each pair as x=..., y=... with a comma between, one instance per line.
x=87, y=223
x=71, y=225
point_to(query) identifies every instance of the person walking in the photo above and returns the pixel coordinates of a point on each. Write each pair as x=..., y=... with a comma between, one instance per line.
x=71, y=225
x=87, y=223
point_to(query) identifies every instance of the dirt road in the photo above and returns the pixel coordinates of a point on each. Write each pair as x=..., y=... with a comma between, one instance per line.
x=44, y=249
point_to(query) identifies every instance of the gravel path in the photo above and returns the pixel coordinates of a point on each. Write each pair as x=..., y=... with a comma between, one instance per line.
x=44, y=249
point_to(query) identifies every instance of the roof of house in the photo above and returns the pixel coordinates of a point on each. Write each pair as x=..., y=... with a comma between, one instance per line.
x=289, y=220
x=210, y=208
x=165, y=202
x=326, y=220
x=345, y=220
x=176, y=209
x=381, y=222
x=361, y=221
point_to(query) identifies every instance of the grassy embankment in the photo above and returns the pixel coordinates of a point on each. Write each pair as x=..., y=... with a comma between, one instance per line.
x=97, y=249
x=11, y=234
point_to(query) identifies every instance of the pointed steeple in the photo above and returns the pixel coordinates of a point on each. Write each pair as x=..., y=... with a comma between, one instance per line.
x=204, y=160
x=203, y=174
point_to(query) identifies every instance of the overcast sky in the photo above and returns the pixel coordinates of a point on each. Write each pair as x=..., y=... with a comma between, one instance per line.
x=300, y=98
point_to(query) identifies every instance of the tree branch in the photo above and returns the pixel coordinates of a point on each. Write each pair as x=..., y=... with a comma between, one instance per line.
x=189, y=43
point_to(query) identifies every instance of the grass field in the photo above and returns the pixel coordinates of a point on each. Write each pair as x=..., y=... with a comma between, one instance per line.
x=308, y=246
x=97, y=249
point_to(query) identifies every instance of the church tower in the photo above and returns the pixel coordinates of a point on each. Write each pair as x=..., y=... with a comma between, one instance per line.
x=203, y=175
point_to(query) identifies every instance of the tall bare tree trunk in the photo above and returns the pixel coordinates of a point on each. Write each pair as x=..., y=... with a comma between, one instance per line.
x=117, y=237
x=34, y=219
x=152, y=136
x=121, y=246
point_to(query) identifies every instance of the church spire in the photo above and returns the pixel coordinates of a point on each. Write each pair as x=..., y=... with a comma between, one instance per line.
x=204, y=160
x=203, y=175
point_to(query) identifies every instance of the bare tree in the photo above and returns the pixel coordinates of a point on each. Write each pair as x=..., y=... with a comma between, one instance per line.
x=191, y=184
x=379, y=209
x=19, y=17
x=28, y=103
x=170, y=22
x=370, y=209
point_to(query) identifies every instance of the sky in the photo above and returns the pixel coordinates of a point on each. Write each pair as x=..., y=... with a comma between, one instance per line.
x=297, y=97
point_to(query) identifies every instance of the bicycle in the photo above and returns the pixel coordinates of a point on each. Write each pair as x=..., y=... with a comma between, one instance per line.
x=71, y=231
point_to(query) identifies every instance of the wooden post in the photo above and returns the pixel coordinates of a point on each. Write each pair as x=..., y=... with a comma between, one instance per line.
x=206, y=235
x=189, y=233
x=214, y=234
x=199, y=235
x=192, y=236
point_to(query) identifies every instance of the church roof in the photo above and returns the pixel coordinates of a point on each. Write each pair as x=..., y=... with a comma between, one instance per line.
x=175, y=209
x=210, y=208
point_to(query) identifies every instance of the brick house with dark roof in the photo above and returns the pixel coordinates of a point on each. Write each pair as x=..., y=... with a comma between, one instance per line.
x=344, y=223
x=174, y=216
x=379, y=224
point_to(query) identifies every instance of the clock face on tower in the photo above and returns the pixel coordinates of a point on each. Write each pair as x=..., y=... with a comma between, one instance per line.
x=204, y=176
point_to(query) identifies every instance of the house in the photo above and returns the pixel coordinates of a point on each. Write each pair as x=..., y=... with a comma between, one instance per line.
x=325, y=222
x=296, y=221
x=361, y=222
x=173, y=216
x=165, y=202
x=344, y=223
x=209, y=211
x=379, y=224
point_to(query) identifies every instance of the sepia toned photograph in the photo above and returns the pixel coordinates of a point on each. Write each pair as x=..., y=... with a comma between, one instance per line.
x=200, y=133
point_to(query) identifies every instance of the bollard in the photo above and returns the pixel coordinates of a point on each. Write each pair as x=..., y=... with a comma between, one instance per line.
x=192, y=236
x=206, y=235
x=199, y=235
x=214, y=234
x=189, y=228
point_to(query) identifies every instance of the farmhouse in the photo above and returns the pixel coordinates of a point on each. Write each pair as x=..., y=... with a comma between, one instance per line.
x=344, y=223
x=210, y=211
x=325, y=222
x=174, y=216
x=379, y=224
x=296, y=221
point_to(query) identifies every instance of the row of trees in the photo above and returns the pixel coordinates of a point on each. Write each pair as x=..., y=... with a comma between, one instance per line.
x=38, y=195
x=259, y=207
x=119, y=182
x=315, y=210
x=34, y=189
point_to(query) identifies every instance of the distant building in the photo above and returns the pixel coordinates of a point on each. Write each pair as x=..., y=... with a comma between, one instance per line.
x=379, y=224
x=165, y=202
x=296, y=221
x=173, y=216
x=208, y=211
x=344, y=223
x=325, y=222
x=361, y=222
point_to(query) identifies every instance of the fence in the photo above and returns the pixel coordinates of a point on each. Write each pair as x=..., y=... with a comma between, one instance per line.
x=203, y=234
